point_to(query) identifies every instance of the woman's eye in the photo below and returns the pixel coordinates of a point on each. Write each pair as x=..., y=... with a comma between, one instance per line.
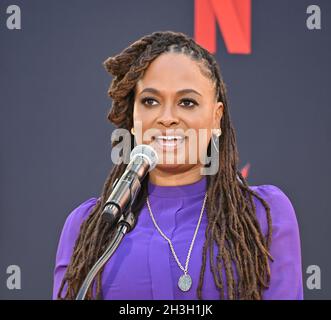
x=144, y=100
x=194, y=103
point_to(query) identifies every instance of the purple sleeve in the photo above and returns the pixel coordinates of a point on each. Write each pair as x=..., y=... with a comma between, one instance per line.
x=67, y=241
x=286, y=269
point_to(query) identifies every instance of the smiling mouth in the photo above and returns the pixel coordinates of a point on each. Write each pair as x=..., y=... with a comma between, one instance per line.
x=168, y=141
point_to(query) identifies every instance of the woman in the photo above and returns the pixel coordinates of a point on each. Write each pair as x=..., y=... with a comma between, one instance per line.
x=197, y=236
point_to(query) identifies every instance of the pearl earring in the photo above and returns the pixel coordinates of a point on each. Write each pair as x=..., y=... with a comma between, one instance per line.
x=217, y=133
x=132, y=130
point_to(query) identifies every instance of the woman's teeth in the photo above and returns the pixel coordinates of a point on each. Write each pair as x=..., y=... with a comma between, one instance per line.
x=169, y=140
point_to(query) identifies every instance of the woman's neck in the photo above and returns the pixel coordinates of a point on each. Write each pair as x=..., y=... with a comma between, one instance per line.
x=172, y=178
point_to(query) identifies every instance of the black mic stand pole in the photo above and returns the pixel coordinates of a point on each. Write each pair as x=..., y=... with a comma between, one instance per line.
x=124, y=225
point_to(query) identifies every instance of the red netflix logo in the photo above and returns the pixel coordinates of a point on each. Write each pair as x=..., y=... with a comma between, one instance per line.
x=233, y=18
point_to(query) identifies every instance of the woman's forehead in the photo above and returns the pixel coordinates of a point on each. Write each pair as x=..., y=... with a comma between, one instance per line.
x=171, y=71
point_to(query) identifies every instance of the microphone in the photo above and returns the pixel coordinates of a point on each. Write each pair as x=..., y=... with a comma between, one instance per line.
x=143, y=158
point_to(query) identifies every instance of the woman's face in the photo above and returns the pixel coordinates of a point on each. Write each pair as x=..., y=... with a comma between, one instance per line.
x=174, y=98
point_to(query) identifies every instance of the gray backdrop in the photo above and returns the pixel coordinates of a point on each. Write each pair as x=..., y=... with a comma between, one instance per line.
x=55, y=138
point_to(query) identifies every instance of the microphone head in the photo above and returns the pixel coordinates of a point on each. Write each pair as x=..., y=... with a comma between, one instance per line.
x=146, y=151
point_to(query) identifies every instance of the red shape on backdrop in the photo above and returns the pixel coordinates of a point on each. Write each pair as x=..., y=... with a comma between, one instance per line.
x=244, y=170
x=234, y=20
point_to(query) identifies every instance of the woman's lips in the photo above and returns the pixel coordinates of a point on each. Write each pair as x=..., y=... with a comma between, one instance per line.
x=168, y=142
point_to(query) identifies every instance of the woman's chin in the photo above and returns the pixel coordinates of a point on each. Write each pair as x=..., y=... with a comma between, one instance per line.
x=173, y=168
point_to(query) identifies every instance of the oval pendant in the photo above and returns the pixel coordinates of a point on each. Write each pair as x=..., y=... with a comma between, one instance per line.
x=185, y=282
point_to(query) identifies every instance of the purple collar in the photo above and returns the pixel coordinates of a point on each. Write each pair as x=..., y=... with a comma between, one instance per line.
x=187, y=190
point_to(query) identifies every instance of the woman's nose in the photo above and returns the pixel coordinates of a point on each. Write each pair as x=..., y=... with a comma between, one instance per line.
x=168, y=117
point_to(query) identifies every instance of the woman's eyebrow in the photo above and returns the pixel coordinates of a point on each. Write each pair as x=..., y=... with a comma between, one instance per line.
x=155, y=91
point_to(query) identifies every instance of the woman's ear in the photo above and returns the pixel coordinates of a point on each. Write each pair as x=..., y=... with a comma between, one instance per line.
x=219, y=108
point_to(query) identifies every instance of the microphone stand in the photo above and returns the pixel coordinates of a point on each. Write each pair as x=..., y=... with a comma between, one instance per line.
x=125, y=224
x=116, y=206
